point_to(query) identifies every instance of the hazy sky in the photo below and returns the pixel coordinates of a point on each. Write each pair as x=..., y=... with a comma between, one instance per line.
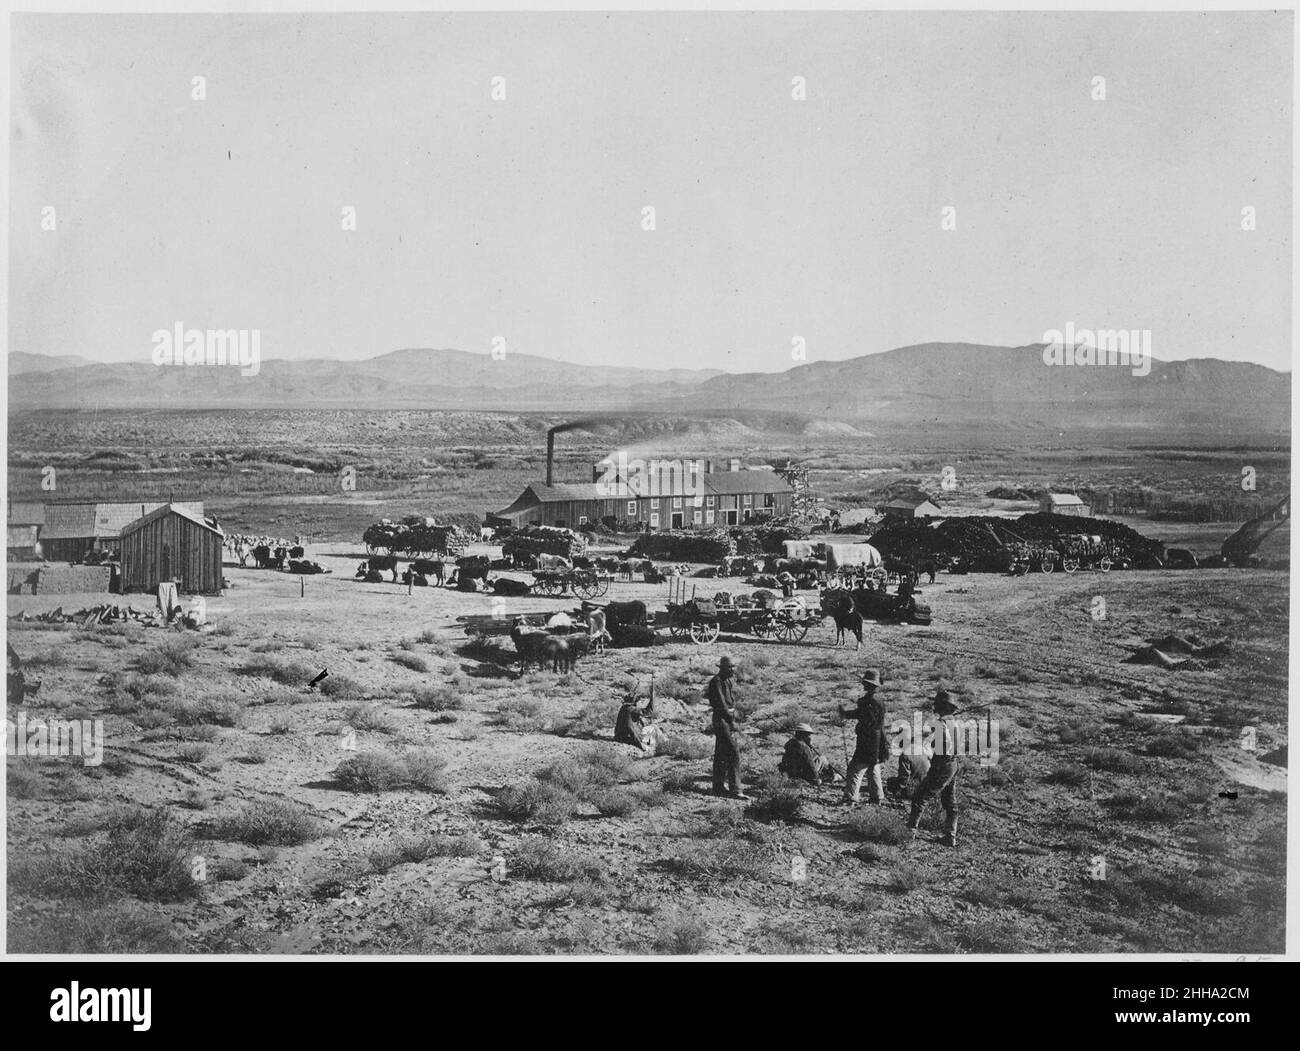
x=775, y=218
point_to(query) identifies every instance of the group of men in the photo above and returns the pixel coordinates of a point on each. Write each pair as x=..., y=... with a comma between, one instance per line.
x=919, y=778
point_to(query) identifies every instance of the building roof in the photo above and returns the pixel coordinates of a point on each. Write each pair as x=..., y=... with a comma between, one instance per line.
x=727, y=483
x=172, y=509
x=719, y=483
x=1064, y=500
x=26, y=513
x=910, y=498
x=909, y=506
x=103, y=520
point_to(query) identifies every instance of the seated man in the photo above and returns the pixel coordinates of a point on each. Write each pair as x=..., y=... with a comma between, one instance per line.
x=803, y=761
x=635, y=725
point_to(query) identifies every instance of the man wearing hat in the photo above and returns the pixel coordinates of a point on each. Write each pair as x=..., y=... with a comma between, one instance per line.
x=726, y=756
x=944, y=767
x=803, y=761
x=872, y=747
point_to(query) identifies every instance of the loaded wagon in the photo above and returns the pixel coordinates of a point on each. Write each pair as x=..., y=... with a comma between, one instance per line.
x=703, y=620
x=585, y=583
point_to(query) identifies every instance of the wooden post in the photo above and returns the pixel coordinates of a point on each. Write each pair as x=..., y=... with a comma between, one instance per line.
x=302, y=587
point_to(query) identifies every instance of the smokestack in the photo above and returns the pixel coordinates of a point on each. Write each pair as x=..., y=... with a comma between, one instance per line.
x=550, y=455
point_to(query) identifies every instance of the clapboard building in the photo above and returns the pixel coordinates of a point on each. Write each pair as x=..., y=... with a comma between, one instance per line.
x=72, y=530
x=172, y=543
x=911, y=503
x=1063, y=504
x=687, y=495
x=23, y=524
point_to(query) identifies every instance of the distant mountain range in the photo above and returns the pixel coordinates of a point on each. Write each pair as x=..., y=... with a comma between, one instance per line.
x=925, y=386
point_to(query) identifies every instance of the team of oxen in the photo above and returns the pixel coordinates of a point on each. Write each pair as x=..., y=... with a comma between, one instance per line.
x=272, y=553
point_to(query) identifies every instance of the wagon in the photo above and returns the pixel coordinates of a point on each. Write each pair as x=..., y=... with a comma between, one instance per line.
x=704, y=620
x=585, y=583
x=1086, y=552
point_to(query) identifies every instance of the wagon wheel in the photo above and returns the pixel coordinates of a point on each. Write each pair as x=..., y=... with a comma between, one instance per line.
x=796, y=630
x=761, y=627
x=677, y=625
x=1104, y=565
x=586, y=587
x=602, y=586
x=1047, y=564
x=704, y=631
x=549, y=586
x=880, y=575
x=1070, y=564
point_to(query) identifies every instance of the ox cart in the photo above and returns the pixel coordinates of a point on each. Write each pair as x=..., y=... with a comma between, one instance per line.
x=585, y=583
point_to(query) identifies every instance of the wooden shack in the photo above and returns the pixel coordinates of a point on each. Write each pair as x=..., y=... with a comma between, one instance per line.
x=172, y=543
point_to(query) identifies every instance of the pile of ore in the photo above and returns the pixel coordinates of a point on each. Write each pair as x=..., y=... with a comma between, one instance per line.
x=984, y=543
x=104, y=614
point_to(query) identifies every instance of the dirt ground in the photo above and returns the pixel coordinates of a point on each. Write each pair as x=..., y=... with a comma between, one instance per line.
x=1123, y=813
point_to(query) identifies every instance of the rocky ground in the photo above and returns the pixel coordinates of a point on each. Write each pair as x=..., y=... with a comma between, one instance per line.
x=429, y=799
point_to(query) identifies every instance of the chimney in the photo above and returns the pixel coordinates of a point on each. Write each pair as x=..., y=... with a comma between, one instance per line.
x=550, y=455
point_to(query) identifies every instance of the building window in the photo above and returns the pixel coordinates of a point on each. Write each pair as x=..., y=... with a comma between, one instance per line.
x=677, y=502
x=748, y=514
x=654, y=519
x=709, y=501
x=749, y=499
x=769, y=500
x=631, y=509
x=708, y=517
x=697, y=518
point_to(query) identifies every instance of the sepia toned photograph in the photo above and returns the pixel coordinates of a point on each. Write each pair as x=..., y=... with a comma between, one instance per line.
x=648, y=483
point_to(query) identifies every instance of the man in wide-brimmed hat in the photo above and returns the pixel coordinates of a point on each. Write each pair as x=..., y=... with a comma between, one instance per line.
x=872, y=747
x=945, y=765
x=726, y=755
x=803, y=761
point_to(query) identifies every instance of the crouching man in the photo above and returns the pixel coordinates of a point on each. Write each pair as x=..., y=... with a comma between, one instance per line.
x=803, y=762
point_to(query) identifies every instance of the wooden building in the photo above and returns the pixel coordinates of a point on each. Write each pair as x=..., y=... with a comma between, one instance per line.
x=704, y=500
x=1063, y=504
x=172, y=543
x=911, y=503
x=70, y=530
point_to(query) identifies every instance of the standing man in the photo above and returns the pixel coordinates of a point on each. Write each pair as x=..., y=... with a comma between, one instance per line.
x=944, y=768
x=726, y=756
x=872, y=747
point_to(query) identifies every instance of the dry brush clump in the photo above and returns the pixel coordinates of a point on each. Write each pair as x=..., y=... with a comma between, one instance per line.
x=267, y=822
x=282, y=671
x=143, y=853
x=879, y=826
x=682, y=934
x=541, y=858
x=411, y=661
x=122, y=928
x=436, y=698
x=369, y=718
x=685, y=746
x=371, y=771
x=171, y=657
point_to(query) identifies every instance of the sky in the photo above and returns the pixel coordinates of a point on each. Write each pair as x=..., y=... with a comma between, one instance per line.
x=774, y=218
